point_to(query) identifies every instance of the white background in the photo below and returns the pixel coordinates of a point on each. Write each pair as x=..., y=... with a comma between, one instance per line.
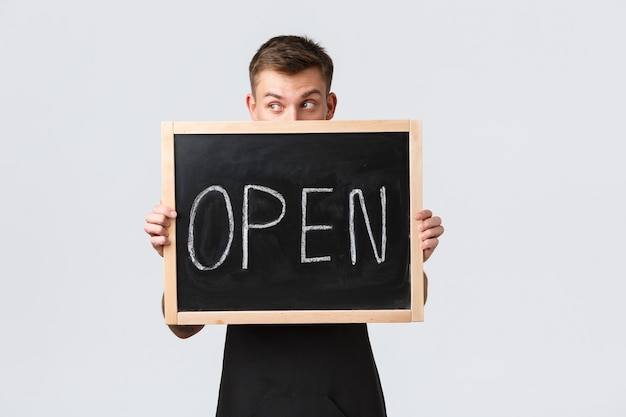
x=523, y=107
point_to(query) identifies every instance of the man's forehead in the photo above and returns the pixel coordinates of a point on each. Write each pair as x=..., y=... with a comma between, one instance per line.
x=307, y=82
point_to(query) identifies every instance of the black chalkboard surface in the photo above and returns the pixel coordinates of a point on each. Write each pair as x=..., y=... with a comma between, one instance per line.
x=292, y=222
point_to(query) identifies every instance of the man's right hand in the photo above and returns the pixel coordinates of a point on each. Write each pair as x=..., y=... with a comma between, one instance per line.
x=157, y=222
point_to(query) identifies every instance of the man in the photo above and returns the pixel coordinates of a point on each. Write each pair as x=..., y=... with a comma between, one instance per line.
x=294, y=370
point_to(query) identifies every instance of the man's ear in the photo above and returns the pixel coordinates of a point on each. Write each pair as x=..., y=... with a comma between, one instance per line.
x=251, y=105
x=331, y=105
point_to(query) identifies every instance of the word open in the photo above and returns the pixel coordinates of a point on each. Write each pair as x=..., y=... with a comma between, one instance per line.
x=355, y=194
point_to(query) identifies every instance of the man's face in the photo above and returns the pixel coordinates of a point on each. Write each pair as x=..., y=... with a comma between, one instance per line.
x=291, y=97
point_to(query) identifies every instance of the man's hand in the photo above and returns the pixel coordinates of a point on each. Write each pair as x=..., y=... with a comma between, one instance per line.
x=430, y=229
x=157, y=222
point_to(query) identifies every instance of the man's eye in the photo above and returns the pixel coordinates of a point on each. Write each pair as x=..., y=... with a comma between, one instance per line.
x=308, y=105
x=275, y=106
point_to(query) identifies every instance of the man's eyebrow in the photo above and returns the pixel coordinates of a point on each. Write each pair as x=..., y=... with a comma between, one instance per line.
x=311, y=92
x=303, y=95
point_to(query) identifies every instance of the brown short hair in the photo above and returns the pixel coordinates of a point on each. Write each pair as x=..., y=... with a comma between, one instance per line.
x=291, y=55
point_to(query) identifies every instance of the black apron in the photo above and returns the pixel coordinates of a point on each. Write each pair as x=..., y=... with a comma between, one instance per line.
x=323, y=370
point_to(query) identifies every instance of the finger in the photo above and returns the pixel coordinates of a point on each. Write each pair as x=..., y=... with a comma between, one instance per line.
x=429, y=244
x=428, y=247
x=431, y=233
x=430, y=223
x=157, y=218
x=155, y=230
x=423, y=215
x=164, y=210
x=159, y=242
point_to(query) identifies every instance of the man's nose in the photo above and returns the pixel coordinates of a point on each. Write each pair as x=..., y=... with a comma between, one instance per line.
x=291, y=114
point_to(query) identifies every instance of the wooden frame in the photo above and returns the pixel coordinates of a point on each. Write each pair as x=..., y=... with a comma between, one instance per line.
x=175, y=317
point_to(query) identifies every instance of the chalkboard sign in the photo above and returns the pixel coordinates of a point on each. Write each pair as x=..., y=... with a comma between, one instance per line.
x=293, y=222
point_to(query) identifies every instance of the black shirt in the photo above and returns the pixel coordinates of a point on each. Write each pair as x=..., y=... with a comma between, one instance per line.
x=299, y=370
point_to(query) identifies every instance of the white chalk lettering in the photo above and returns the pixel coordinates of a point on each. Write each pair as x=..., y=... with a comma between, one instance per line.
x=246, y=220
x=192, y=219
x=305, y=228
x=379, y=254
x=383, y=244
